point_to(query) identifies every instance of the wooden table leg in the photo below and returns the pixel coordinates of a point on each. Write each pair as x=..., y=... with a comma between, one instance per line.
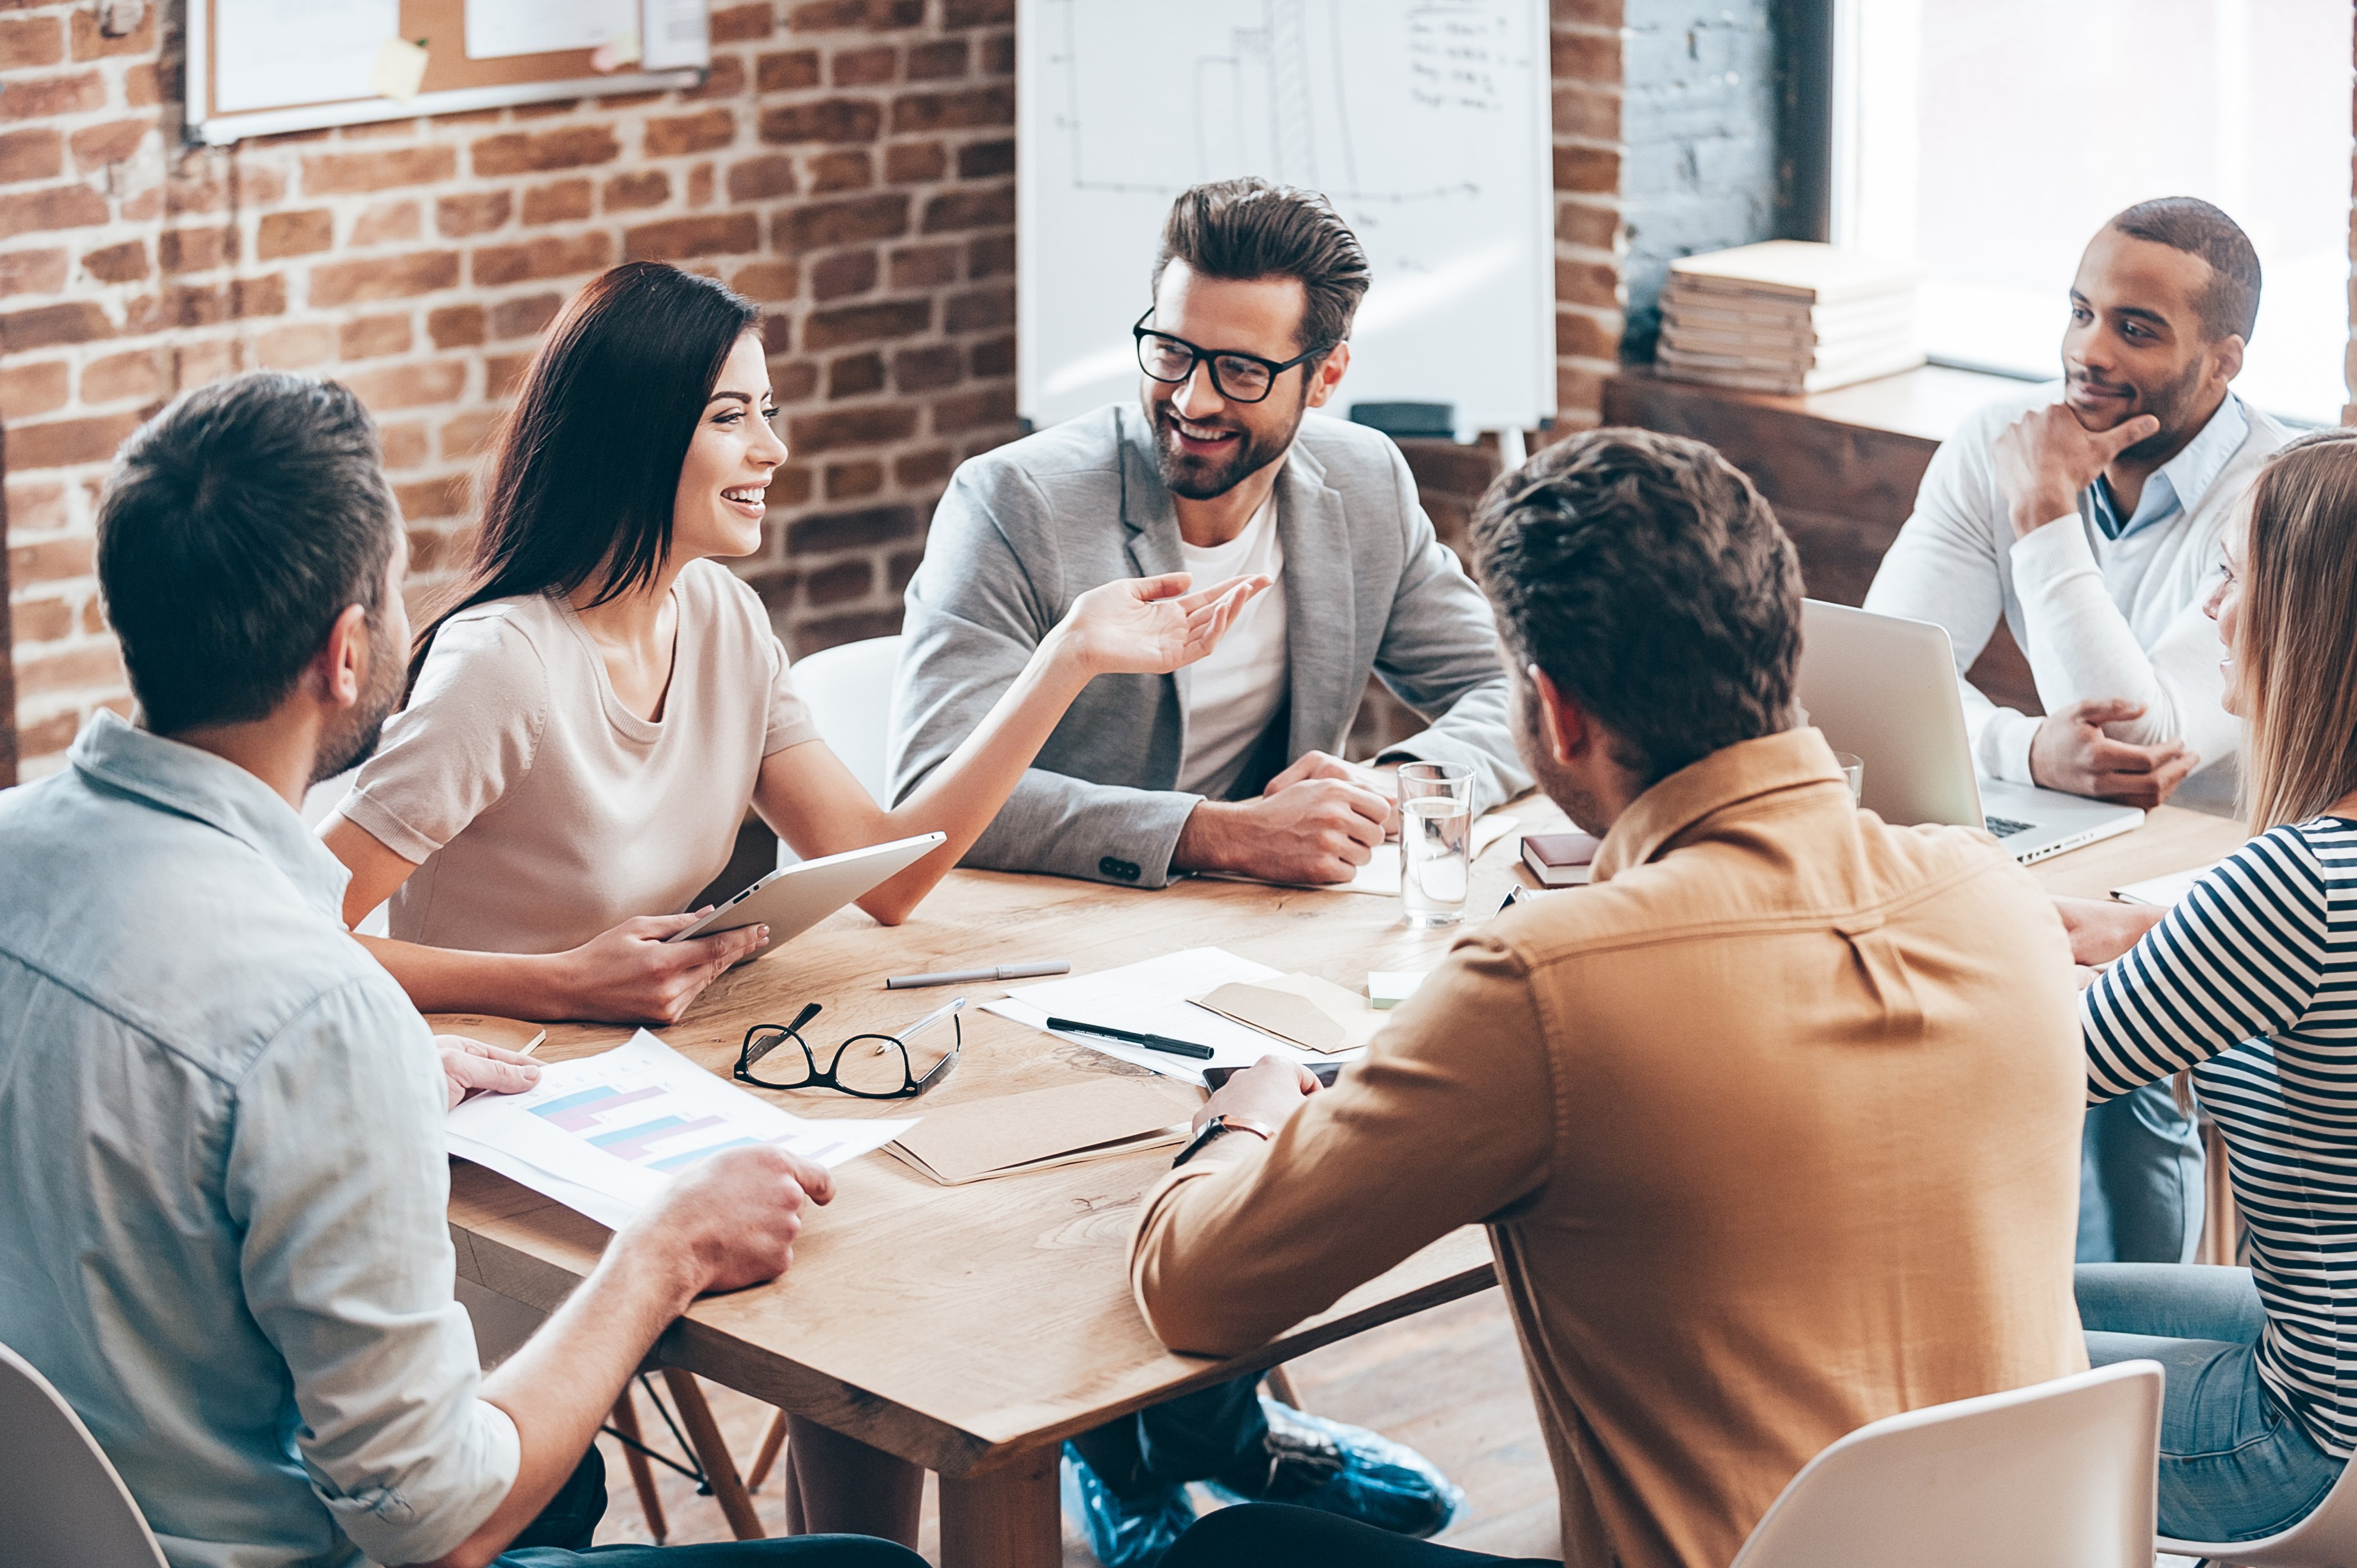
x=1005, y=1518
x=642, y=1476
x=719, y=1470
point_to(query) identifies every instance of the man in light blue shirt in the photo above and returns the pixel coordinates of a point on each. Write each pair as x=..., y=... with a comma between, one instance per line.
x=221, y=1123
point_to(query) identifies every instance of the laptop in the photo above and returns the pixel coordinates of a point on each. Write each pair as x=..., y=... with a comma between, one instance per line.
x=1884, y=689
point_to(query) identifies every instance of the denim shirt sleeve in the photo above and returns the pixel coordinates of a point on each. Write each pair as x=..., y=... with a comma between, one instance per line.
x=339, y=1184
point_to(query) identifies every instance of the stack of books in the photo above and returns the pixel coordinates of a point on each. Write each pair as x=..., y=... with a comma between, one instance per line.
x=1789, y=316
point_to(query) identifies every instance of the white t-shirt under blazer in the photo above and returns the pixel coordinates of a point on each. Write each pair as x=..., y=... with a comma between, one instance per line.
x=1235, y=690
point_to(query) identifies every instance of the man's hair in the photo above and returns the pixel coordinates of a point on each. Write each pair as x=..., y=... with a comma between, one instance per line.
x=1651, y=582
x=2230, y=305
x=235, y=527
x=1249, y=228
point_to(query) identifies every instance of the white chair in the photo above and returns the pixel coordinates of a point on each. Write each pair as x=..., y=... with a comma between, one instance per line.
x=2058, y=1475
x=63, y=1505
x=2327, y=1538
x=849, y=689
x=317, y=801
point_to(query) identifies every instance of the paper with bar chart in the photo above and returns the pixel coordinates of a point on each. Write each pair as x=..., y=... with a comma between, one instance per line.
x=604, y=1135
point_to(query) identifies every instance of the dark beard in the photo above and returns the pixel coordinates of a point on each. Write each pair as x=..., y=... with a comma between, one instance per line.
x=1200, y=479
x=354, y=741
x=2173, y=406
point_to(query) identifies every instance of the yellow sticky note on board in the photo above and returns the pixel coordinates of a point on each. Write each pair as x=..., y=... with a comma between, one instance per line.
x=399, y=69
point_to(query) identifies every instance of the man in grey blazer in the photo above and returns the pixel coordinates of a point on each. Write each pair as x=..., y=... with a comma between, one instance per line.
x=1198, y=479
x=1232, y=765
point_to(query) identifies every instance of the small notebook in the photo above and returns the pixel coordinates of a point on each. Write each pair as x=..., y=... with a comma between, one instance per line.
x=1560, y=860
x=512, y=1033
x=1300, y=1009
x=1045, y=1127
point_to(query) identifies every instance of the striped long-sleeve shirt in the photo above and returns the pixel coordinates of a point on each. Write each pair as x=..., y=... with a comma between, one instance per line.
x=2251, y=982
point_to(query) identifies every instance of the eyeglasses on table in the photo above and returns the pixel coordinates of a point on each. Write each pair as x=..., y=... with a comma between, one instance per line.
x=871, y=1066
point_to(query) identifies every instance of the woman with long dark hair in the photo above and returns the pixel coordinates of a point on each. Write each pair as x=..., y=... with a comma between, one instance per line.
x=589, y=720
x=2246, y=983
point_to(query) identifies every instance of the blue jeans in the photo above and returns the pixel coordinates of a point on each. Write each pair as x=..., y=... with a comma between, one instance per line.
x=2139, y=1181
x=560, y=1536
x=2234, y=1464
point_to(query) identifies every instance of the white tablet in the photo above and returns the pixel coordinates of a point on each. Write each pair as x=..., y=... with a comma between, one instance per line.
x=793, y=899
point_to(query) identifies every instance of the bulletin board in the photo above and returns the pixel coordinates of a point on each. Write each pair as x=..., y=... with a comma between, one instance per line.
x=257, y=67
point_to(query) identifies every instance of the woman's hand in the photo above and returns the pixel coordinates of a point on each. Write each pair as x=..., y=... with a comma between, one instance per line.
x=1151, y=626
x=631, y=974
x=2102, y=929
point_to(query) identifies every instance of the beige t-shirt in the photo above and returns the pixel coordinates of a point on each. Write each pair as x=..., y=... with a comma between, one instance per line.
x=540, y=809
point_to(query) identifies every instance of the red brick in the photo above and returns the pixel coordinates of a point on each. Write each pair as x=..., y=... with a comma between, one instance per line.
x=854, y=219
x=432, y=497
x=194, y=250
x=724, y=81
x=699, y=181
x=831, y=531
x=1585, y=110
x=31, y=389
x=1588, y=169
x=563, y=202
x=968, y=411
x=32, y=271
x=292, y=348
x=455, y=325
x=383, y=277
x=33, y=506
x=849, y=169
x=523, y=152
x=939, y=61
x=915, y=162
x=864, y=66
x=923, y=266
x=845, y=273
x=469, y=434
x=991, y=256
x=343, y=174
x=867, y=322
x=195, y=364
x=53, y=734
x=854, y=375
x=738, y=23
x=916, y=470
x=1587, y=283
x=80, y=321
x=979, y=311
x=523, y=317
x=777, y=333
x=46, y=559
x=998, y=54
x=1578, y=224
x=385, y=224
x=925, y=370
x=841, y=15
x=410, y=386
x=62, y=443
x=550, y=258
x=815, y=434
x=992, y=357
x=477, y=212
x=374, y=337
x=850, y=481
x=789, y=71
x=720, y=234
x=35, y=154
x=1578, y=396
x=956, y=210
x=405, y=445
x=143, y=84
x=39, y=621
x=845, y=580
x=630, y=192
x=1586, y=57
x=984, y=160
x=95, y=146
x=691, y=134
x=52, y=97
x=767, y=280
x=34, y=40
x=120, y=378
x=58, y=206
x=978, y=13
x=90, y=43
x=794, y=381
x=43, y=671
x=1582, y=337
x=757, y=179
x=827, y=120
x=125, y=263
x=294, y=233
x=915, y=114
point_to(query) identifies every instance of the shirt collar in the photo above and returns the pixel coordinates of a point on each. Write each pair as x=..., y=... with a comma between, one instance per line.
x=1730, y=775
x=195, y=783
x=2181, y=482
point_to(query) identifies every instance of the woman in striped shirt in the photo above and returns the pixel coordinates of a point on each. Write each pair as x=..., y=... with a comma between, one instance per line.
x=2250, y=982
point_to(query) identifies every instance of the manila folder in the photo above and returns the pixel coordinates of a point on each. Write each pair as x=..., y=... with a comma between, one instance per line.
x=1045, y=1127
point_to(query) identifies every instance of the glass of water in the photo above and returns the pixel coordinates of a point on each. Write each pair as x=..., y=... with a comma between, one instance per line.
x=1435, y=801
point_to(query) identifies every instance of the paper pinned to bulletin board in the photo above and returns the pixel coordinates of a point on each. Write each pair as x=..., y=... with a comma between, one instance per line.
x=261, y=67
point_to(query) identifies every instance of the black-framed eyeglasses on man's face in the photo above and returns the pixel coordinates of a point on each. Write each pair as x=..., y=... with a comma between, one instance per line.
x=1235, y=375
x=873, y=1066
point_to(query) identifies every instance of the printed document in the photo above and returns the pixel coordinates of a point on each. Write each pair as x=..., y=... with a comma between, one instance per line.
x=604, y=1135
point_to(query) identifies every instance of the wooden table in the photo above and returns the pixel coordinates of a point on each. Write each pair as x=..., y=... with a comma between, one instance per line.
x=971, y=1329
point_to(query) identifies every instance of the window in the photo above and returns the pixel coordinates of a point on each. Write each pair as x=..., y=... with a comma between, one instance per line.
x=1988, y=139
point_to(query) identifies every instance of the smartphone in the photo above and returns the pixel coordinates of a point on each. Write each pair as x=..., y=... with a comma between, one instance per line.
x=1324, y=1072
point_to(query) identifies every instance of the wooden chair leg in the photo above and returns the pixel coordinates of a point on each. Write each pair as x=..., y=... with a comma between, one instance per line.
x=642, y=1474
x=770, y=1444
x=1280, y=1385
x=712, y=1453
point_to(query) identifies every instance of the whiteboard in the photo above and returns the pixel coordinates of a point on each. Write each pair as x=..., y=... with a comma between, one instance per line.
x=1425, y=122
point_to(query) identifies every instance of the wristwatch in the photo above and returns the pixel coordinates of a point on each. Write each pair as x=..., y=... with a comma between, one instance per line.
x=1218, y=1126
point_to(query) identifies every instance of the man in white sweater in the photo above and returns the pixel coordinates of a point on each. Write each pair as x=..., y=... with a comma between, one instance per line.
x=2092, y=516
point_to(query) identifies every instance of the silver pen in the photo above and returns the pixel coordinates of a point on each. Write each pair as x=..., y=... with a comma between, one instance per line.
x=979, y=976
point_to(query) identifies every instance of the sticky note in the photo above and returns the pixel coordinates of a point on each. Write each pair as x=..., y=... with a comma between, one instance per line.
x=616, y=52
x=1387, y=988
x=399, y=69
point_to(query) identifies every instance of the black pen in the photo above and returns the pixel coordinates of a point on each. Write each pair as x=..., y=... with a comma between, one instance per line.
x=1132, y=1038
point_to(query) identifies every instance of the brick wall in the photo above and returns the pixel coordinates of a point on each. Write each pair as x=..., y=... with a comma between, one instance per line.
x=849, y=164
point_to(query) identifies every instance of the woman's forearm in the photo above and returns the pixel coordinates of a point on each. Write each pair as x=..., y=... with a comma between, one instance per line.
x=444, y=979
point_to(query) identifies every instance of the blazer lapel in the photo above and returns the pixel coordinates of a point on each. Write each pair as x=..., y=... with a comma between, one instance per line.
x=1320, y=606
x=1151, y=524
